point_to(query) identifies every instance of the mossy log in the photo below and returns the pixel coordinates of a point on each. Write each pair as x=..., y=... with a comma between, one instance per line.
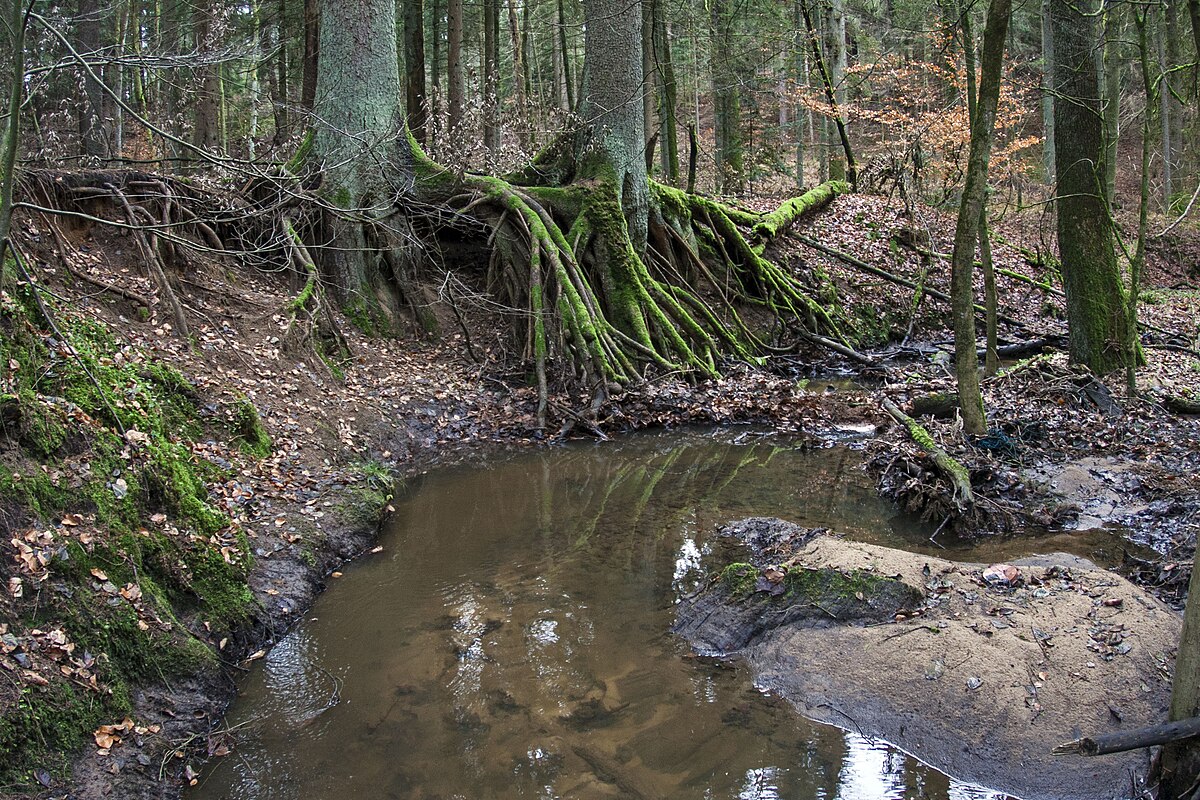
x=776, y=222
x=951, y=468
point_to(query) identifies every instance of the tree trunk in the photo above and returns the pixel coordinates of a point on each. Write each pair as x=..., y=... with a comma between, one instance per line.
x=282, y=101
x=565, y=57
x=1111, y=73
x=669, y=98
x=13, y=35
x=851, y=168
x=206, y=122
x=490, y=70
x=1096, y=315
x=414, y=66
x=520, y=87
x=726, y=100
x=455, y=87
x=1181, y=760
x=93, y=128
x=970, y=210
x=365, y=154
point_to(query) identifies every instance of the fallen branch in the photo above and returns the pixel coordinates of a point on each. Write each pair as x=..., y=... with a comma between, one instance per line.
x=863, y=266
x=954, y=471
x=778, y=221
x=1123, y=741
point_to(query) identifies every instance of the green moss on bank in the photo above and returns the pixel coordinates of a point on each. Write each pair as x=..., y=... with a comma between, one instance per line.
x=132, y=560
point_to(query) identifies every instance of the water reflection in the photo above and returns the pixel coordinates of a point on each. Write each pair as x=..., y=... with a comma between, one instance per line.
x=510, y=642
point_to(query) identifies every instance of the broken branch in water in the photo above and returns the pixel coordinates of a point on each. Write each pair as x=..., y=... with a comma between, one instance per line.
x=1122, y=741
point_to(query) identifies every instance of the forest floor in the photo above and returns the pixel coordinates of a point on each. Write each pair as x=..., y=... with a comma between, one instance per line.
x=1068, y=451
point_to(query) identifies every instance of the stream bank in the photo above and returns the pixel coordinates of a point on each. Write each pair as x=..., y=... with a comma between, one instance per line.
x=269, y=468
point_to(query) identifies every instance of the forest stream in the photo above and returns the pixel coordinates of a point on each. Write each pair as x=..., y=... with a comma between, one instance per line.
x=509, y=637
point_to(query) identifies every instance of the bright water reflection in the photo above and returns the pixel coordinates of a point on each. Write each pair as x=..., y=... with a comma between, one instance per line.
x=511, y=641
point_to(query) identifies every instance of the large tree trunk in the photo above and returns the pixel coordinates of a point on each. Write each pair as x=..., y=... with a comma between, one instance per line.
x=609, y=145
x=365, y=156
x=983, y=119
x=1096, y=315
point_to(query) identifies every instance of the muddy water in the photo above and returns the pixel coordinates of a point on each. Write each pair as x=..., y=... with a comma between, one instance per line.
x=511, y=641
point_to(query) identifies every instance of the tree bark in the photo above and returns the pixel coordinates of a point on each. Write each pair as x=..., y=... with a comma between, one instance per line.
x=1181, y=760
x=93, y=127
x=14, y=31
x=1047, y=94
x=206, y=122
x=1111, y=73
x=490, y=56
x=726, y=101
x=669, y=97
x=1096, y=315
x=565, y=57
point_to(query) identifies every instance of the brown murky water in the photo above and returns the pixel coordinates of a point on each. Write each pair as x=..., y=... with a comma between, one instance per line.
x=511, y=641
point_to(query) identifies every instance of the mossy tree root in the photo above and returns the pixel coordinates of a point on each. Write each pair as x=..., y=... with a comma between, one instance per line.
x=951, y=468
x=597, y=307
x=310, y=323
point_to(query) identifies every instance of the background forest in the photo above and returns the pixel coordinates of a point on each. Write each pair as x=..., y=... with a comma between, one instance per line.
x=489, y=84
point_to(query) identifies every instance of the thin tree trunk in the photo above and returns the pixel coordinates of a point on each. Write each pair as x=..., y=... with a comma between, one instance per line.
x=15, y=30
x=565, y=57
x=1111, y=73
x=284, y=98
x=312, y=44
x=669, y=97
x=490, y=57
x=1164, y=113
x=972, y=206
x=455, y=90
x=727, y=101
x=435, y=69
x=520, y=87
x=830, y=96
x=1047, y=93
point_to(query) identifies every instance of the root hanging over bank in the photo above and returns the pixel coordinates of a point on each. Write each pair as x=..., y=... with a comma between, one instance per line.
x=597, y=309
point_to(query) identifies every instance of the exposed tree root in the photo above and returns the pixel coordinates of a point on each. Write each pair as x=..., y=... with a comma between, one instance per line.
x=598, y=309
x=954, y=471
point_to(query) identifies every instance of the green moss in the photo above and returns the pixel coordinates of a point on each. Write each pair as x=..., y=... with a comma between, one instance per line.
x=46, y=726
x=739, y=579
x=248, y=429
x=825, y=585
